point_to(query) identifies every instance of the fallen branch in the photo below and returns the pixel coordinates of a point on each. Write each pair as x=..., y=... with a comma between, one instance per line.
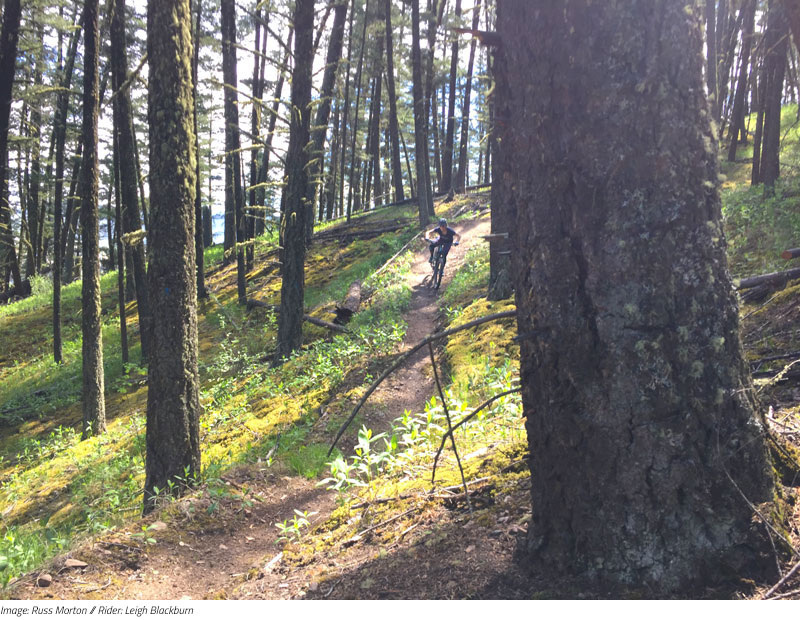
x=777, y=278
x=402, y=359
x=449, y=426
x=783, y=580
x=403, y=249
x=255, y=303
x=793, y=253
x=463, y=421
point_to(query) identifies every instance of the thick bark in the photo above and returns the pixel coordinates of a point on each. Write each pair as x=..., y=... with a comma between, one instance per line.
x=639, y=407
x=94, y=408
x=775, y=63
x=234, y=199
x=9, y=36
x=737, y=115
x=449, y=138
x=320, y=126
x=173, y=406
x=423, y=184
x=461, y=172
x=394, y=134
x=123, y=118
x=290, y=333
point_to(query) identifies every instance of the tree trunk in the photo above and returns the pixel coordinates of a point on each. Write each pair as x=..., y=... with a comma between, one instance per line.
x=199, y=232
x=760, y=90
x=639, y=407
x=293, y=229
x=257, y=88
x=123, y=119
x=173, y=406
x=34, y=204
x=332, y=58
x=355, y=167
x=775, y=63
x=394, y=133
x=94, y=408
x=71, y=218
x=423, y=184
x=449, y=138
x=461, y=171
x=60, y=136
x=8, y=57
x=711, y=56
x=346, y=109
x=737, y=116
x=123, y=322
x=234, y=208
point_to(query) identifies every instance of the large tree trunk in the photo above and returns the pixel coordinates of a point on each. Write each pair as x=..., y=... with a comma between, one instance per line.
x=173, y=406
x=639, y=407
x=290, y=322
x=234, y=199
x=131, y=223
x=9, y=37
x=94, y=407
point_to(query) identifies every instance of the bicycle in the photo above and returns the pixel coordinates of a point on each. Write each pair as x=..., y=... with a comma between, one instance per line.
x=439, y=261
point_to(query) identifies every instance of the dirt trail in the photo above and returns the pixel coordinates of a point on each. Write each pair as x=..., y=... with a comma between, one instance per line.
x=213, y=546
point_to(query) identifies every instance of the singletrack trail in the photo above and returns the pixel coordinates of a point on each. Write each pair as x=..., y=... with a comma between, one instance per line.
x=220, y=547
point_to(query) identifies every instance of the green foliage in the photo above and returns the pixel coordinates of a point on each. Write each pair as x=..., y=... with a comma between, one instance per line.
x=292, y=531
x=471, y=277
x=309, y=461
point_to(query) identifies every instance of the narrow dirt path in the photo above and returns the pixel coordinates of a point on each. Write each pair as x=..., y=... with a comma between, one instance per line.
x=215, y=544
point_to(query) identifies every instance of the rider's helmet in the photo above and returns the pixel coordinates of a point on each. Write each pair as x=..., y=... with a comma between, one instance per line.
x=442, y=222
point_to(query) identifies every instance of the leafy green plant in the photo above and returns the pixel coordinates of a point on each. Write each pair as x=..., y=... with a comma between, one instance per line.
x=293, y=530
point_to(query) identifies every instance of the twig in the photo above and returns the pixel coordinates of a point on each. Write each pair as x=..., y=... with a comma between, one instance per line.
x=785, y=595
x=97, y=589
x=752, y=312
x=464, y=421
x=449, y=426
x=256, y=303
x=382, y=523
x=785, y=578
x=223, y=309
x=402, y=359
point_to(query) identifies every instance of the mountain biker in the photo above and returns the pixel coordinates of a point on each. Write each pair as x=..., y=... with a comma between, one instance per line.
x=447, y=237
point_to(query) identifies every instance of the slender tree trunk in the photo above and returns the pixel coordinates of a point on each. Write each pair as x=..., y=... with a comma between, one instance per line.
x=8, y=56
x=234, y=208
x=34, y=204
x=463, y=143
x=173, y=406
x=775, y=64
x=639, y=406
x=290, y=318
x=123, y=323
x=394, y=133
x=320, y=125
x=711, y=56
x=60, y=135
x=449, y=139
x=94, y=408
x=346, y=110
x=123, y=123
x=423, y=183
x=199, y=233
x=257, y=85
x=737, y=115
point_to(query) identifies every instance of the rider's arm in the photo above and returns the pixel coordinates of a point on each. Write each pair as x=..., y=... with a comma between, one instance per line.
x=457, y=238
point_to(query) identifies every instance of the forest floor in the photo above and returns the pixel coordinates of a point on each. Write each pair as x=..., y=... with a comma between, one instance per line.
x=235, y=554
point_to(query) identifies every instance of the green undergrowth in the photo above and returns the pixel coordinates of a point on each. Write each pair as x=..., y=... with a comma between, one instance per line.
x=56, y=490
x=759, y=226
x=480, y=364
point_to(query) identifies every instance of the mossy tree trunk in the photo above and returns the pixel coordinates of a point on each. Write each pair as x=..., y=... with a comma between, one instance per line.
x=173, y=407
x=639, y=407
x=296, y=192
x=94, y=407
